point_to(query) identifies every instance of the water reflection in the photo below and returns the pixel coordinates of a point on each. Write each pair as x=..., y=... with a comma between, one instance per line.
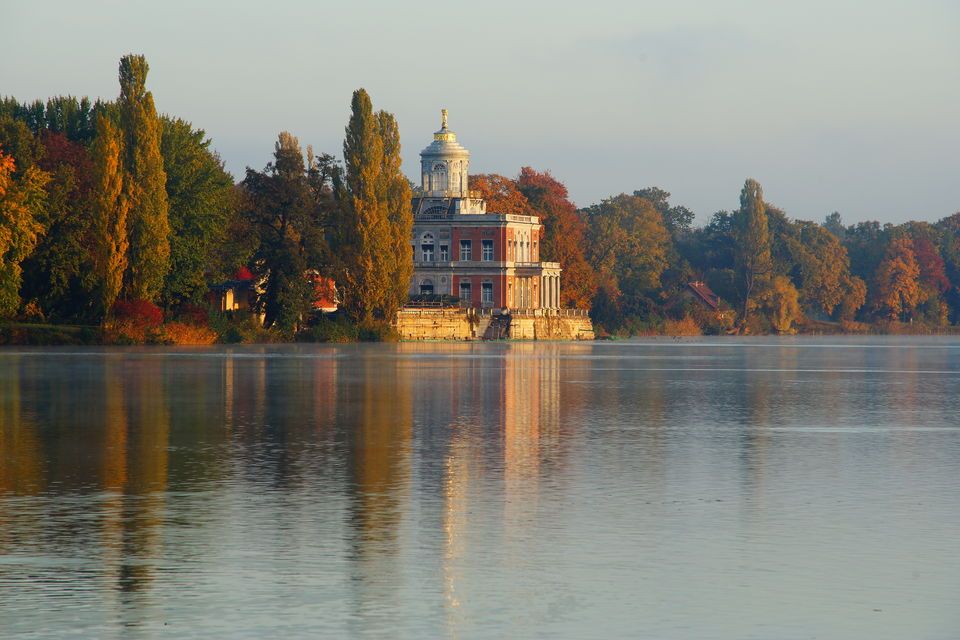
x=434, y=489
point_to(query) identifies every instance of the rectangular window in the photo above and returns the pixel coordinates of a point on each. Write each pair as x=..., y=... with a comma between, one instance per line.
x=427, y=251
x=465, y=291
x=487, y=248
x=466, y=250
x=444, y=253
x=486, y=293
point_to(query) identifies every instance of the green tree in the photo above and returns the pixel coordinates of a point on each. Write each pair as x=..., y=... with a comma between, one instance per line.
x=288, y=221
x=754, y=262
x=678, y=219
x=200, y=196
x=628, y=247
x=145, y=183
x=110, y=208
x=59, y=275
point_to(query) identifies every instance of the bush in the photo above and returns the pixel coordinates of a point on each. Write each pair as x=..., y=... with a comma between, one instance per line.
x=686, y=326
x=339, y=330
x=142, y=313
x=185, y=334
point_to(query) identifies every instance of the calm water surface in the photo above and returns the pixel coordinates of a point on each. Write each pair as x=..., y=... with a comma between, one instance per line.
x=755, y=488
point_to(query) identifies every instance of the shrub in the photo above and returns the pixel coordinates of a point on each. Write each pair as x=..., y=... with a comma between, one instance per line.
x=139, y=312
x=186, y=334
x=686, y=326
x=339, y=330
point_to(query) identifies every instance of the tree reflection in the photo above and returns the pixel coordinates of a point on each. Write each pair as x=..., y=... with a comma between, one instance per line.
x=376, y=414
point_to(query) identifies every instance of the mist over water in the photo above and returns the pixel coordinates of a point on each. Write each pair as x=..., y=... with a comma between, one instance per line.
x=724, y=488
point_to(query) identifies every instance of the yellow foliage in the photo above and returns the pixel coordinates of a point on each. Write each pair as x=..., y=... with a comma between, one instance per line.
x=686, y=326
x=898, y=280
x=186, y=334
x=782, y=301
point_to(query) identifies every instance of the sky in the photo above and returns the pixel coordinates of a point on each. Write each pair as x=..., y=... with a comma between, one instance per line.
x=833, y=105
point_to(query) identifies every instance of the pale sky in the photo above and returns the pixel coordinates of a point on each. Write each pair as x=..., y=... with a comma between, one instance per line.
x=831, y=104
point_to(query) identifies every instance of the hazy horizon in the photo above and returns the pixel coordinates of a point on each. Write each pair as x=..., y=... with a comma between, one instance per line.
x=830, y=106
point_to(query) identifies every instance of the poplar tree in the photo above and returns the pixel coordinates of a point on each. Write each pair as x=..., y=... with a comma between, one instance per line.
x=365, y=243
x=396, y=197
x=145, y=183
x=752, y=239
x=110, y=210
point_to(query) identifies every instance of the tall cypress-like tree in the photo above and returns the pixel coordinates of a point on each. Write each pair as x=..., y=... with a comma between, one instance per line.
x=110, y=211
x=145, y=184
x=365, y=243
x=396, y=197
x=754, y=261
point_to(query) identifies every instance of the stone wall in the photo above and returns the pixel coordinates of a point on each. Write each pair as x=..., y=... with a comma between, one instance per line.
x=457, y=324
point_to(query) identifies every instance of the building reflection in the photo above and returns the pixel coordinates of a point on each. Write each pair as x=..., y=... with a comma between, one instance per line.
x=514, y=421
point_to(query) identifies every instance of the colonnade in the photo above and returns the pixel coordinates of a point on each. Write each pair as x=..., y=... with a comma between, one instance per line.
x=550, y=292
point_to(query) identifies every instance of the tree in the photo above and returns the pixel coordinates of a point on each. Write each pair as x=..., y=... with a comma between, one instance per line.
x=59, y=275
x=854, y=297
x=628, y=246
x=145, y=183
x=821, y=265
x=22, y=200
x=501, y=194
x=897, y=281
x=288, y=221
x=677, y=219
x=564, y=238
x=396, y=198
x=753, y=259
x=834, y=224
x=110, y=207
x=200, y=197
x=372, y=216
x=781, y=300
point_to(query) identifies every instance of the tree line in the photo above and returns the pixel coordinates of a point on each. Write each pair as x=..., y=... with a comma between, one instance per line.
x=631, y=257
x=109, y=208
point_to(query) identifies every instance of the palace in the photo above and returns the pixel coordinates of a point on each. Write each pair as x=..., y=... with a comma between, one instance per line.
x=487, y=260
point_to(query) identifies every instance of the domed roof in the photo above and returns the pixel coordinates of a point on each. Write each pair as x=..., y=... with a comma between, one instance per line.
x=445, y=142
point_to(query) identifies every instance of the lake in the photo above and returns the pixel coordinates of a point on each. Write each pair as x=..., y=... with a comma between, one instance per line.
x=697, y=488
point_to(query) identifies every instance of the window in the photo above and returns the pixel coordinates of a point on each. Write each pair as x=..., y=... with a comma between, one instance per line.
x=486, y=293
x=465, y=291
x=426, y=247
x=466, y=250
x=426, y=288
x=444, y=253
x=487, y=249
x=439, y=178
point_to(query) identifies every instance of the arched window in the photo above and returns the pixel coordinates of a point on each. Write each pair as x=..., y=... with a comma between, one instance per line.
x=434, y=212
x=426, y=287
x=439, y=177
